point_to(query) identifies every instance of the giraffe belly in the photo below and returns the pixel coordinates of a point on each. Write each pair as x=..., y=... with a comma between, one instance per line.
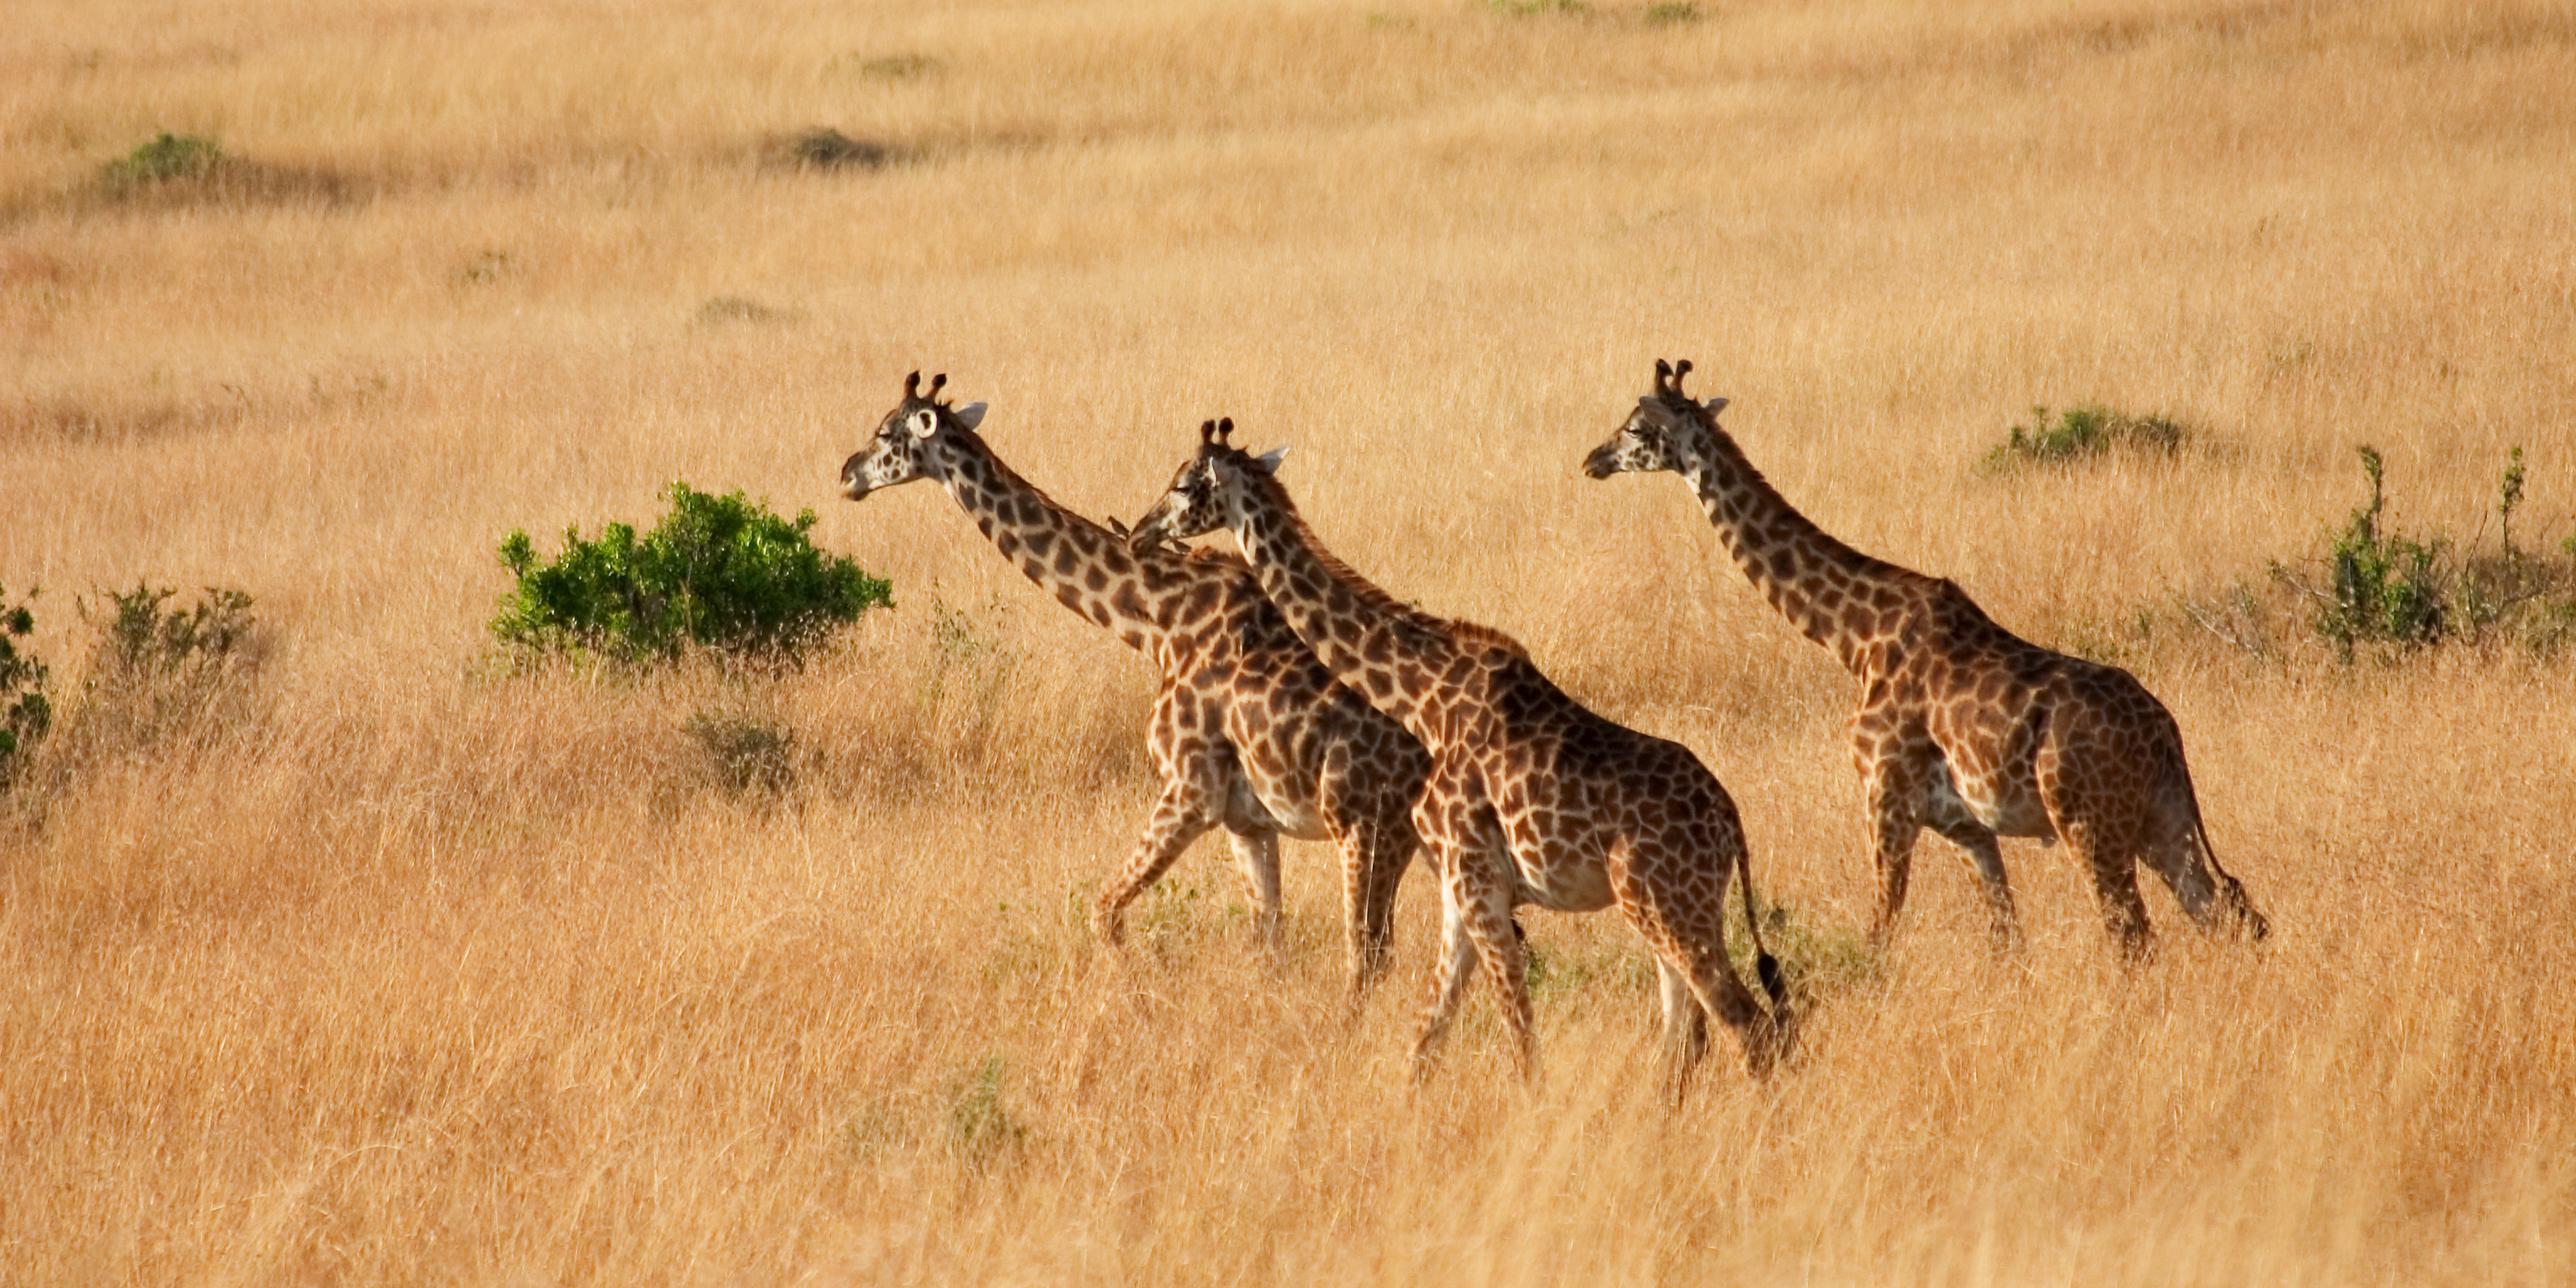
x=1564, y=887
x=1271, y=807
x=2003, y=808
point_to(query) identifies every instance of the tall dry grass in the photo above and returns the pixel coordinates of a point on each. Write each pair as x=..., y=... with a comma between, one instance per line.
x=405, y=969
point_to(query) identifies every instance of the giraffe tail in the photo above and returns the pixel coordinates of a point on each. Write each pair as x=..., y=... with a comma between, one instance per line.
x=1765, y=966
x=2230, y=890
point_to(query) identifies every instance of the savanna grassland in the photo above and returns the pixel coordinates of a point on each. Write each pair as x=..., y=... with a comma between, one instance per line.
x=377, y=961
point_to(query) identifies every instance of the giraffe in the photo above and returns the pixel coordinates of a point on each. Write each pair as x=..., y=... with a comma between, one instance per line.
x=1532, y=798
x=1248, y=731
x=1962, y=727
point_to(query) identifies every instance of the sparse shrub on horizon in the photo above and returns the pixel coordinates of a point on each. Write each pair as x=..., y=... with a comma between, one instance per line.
x=829, y=149
x=724, y=574
x=25, y=710
x=721, y=309
x=166, y=157
x=893, y=66
x=2084, y=432
x=190, y=169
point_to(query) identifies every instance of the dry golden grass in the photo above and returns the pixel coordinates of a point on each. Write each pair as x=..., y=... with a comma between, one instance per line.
x=405, y=971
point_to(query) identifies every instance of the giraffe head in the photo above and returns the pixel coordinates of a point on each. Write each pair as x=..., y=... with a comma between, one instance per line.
x=901, y=448
x=1209, y=490
x=1668, y=431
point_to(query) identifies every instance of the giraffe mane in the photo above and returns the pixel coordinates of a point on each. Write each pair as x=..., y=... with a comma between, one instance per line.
x=1003, y=470
x=1230, y=560
x=1368, y=592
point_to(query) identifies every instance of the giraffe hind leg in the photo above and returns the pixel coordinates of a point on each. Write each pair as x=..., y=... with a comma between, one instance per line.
x=1387, y=850
x=1689, y=943
x=1977, y=841
x=1500, y=950
x=1685, y=1039
x=2214, y=900
x=1451, y=968
x=1256, y=856
x=2115, y=884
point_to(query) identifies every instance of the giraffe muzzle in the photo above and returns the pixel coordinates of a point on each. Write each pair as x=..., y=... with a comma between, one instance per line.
x=1602, y=463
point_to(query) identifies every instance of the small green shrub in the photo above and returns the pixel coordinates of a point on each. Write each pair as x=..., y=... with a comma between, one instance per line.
x=160, y=672
x=25, y=712
x=2382, y=586
x=139, y=638
x=1661, y=15
x=2393, y=591
x=166, y=157
x=2083, y=433
x=723, y=574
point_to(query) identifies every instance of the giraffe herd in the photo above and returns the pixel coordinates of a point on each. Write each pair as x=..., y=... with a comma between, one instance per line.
x=1296, y=697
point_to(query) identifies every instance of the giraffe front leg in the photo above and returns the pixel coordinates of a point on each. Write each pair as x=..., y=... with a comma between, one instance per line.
x=1183, y=812
x=1895, y=806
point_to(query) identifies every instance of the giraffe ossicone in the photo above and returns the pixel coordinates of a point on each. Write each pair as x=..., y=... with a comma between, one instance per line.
x=1248, y=732
x=1962, y=727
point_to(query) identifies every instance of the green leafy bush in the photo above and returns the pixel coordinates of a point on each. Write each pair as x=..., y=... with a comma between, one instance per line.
x=25, y=712
x=2082, y=433
x=718, y=573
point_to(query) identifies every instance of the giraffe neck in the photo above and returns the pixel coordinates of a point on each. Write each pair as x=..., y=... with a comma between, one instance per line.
x=1813, y=580
x=1086, y=567
x=1405, y=662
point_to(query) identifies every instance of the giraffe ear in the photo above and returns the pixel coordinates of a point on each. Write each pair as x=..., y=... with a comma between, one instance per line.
x=925, y=422
x=1269, y=460
x=972, y=414
x=1715, y=405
